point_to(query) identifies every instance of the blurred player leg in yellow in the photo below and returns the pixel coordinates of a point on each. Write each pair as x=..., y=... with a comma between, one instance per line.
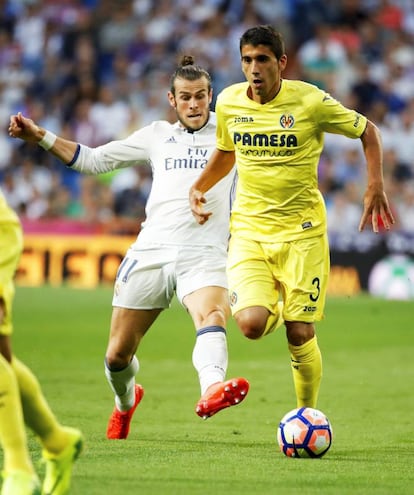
x=21, y=399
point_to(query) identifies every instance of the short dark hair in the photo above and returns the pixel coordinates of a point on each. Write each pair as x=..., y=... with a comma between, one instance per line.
x=264, y=35
x=190, y=71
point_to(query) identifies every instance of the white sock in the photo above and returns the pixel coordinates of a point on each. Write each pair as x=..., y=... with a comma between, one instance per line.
x=210, y=357
x=122, y=383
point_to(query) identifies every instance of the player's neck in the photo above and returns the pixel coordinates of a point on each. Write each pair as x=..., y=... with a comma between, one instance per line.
x=262, y=99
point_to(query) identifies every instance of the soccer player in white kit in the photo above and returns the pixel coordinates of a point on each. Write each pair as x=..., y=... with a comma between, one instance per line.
x=172, y=253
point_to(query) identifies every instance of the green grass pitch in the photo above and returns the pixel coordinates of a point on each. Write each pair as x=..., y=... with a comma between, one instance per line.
x=367, y=393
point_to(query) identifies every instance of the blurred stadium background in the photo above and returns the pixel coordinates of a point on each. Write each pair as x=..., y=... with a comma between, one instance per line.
x=95, y=70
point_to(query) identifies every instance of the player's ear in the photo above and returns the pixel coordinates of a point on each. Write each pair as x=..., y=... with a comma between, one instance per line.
x=171, y=99
x=210, y=96
x=282, y=62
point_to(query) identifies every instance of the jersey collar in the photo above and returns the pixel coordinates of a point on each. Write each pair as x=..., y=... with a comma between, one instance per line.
x=211, y=122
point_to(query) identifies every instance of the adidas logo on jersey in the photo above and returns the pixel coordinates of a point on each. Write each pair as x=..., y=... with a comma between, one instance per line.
x=171, y=140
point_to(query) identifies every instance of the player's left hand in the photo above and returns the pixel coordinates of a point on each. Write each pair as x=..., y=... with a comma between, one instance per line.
x=376, y=207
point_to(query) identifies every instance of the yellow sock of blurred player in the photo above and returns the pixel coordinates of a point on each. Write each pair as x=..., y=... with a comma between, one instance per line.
x=37, y=413
x=13, y=437
x=306, y=362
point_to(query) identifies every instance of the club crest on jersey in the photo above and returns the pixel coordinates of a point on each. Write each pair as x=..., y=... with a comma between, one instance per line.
x=233, y=298
x=287, y=121
x=117, y=289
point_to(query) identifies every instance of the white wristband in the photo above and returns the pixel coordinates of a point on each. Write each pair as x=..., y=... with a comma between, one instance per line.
x=48, y=140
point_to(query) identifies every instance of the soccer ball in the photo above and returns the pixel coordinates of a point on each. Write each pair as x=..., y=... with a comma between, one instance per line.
x=304, y=432
x=392, y=278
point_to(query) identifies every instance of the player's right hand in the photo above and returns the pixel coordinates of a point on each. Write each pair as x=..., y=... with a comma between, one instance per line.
x=197, y=202
x=24, y=128
x=376, y=208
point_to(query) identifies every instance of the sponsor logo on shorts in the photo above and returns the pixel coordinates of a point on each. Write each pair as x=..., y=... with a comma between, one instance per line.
x=309, y=309
x=306, y=225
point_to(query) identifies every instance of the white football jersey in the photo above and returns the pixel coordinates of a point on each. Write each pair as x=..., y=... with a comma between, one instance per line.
x=177, y=157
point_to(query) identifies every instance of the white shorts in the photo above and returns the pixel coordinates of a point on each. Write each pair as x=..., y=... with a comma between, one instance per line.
x=147, y=278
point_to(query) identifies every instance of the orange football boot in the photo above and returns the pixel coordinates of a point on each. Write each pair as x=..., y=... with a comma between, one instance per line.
x=221, y=395
x=119, y=422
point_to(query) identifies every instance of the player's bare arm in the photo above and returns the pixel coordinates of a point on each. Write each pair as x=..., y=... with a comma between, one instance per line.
x=375, y=200
x=24, y=128
x=218, y=166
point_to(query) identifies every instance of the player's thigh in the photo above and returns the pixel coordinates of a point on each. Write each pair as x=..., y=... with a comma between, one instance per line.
x=5, y=347
x=305, y=278
x=202, y=284
x=250, y=277
x=145, y=280
x=208, y=306
x=200, y=267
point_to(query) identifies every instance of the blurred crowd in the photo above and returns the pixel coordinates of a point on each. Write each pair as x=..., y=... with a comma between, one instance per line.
x=95, y=70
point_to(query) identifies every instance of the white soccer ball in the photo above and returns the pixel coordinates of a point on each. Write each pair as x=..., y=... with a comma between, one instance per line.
x=304, y=432
x=392, y=278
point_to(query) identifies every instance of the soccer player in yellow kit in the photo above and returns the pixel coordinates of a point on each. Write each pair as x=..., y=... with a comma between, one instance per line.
x=21, y=398
x=278, y=262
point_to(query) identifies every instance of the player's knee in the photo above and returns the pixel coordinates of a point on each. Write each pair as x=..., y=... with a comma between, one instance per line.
x=251, y=332
x=219, y=316
x=2, y=310
x=251, y=323
x=116, y=360
x=299, y=332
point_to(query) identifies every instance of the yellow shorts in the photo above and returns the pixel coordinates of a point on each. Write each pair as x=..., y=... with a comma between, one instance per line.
x=11, y=246
x=260, y=274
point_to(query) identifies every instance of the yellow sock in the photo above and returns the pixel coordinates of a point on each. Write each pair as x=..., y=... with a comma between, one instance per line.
x=306, y=361
x=37, y=413
x=13, y=437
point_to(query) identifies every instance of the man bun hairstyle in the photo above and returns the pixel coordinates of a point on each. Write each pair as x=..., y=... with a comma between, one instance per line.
x=264, y=35
x=190, y=71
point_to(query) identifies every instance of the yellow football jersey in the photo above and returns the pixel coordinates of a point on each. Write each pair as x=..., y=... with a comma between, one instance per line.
x=11, y=245
x=7, y=215
x=277, y=146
